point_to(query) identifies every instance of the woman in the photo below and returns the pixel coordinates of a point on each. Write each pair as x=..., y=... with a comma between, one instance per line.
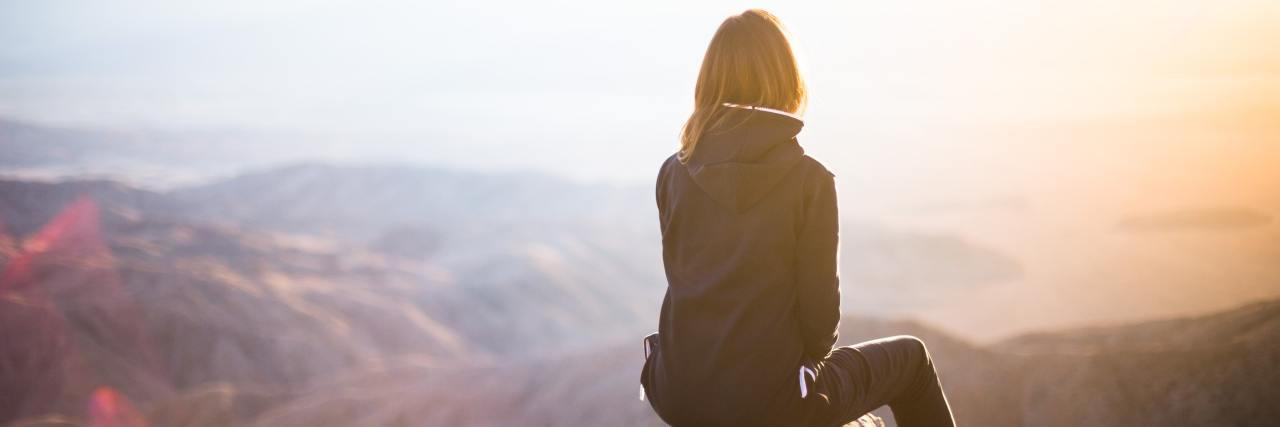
x=749, y=234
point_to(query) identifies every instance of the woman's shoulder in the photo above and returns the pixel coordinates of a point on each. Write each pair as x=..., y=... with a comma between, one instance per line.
x=673, y=159
x=669, y=164
x=666, y=170
x=813, y=167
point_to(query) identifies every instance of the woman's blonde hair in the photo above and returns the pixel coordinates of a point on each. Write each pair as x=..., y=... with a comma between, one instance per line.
x=749, y=62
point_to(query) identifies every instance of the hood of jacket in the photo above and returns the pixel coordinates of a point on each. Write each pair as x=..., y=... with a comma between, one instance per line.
x=738, y=166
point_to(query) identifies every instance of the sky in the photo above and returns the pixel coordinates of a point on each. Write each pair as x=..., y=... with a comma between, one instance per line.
x=1033, y=128
x=598, y=90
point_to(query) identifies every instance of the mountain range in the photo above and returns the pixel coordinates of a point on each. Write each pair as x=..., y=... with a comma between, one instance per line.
x=388, y=295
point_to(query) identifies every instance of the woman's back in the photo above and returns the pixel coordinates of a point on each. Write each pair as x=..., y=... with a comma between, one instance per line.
x=749, y=239
x=749, y=231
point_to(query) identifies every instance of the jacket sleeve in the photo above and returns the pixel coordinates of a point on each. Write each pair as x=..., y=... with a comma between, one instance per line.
x=818, y=286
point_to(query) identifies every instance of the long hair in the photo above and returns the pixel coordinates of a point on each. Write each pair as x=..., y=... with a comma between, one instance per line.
x=749, y=62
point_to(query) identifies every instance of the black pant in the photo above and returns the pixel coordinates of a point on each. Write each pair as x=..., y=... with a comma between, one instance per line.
x=895, y=371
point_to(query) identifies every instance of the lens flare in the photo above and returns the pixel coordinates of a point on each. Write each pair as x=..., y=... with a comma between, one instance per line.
x=108, y=408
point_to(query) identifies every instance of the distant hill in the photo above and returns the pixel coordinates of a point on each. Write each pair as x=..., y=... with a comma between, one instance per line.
x=419, y=212
x=25, y=206
x=1202, y=219
x=149, y=157
x=893, y=270
x=361, y=202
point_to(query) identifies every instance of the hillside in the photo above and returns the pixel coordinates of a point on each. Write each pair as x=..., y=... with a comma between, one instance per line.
x=197, y=312
x=1215, y=369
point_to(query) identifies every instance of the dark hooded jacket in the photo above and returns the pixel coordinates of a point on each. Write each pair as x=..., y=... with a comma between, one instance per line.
x=749, y=234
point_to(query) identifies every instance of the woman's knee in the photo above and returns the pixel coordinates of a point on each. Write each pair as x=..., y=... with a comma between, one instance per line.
x=913, y=346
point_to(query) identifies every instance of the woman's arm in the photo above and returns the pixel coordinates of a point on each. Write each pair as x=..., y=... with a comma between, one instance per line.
x=660, y=193
x=817, y=285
